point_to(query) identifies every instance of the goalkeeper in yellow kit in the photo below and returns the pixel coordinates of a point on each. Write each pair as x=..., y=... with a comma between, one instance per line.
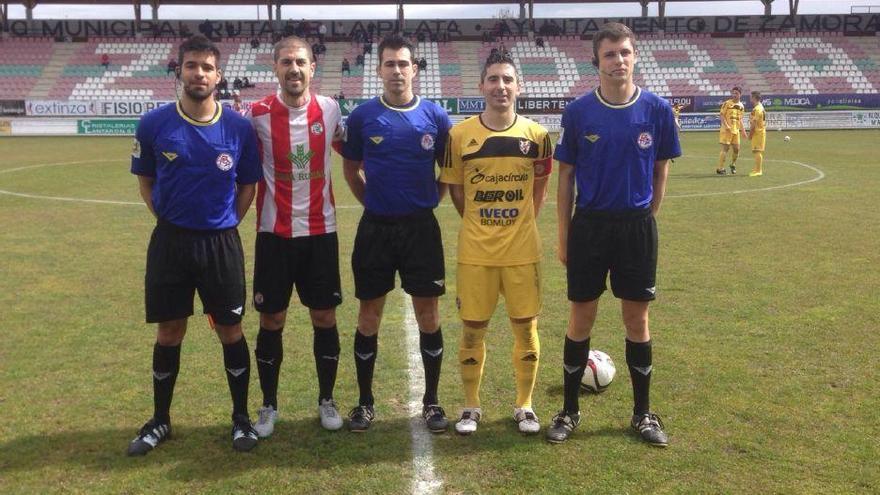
x=757, y=134
x=732, y=111
x=496, y=165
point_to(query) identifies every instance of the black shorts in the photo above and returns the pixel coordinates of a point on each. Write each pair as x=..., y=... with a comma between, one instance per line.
x=624, y=243
x=310, y=263
x=181, y=261
x=411, y=245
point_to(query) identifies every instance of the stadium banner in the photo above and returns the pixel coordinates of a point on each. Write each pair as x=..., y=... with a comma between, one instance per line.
x=536, y=106
x=57, y=108
x=12, y=107
x=43, y=127
x=778, y=121
x=779, y=103
x=867, y=23
x=5, y=127
x=90, y=108
x=469, y=106
x=106, y=127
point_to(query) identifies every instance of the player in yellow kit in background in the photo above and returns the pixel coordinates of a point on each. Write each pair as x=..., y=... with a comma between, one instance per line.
x=496, y=165
x=731, y=114
x=757, y=134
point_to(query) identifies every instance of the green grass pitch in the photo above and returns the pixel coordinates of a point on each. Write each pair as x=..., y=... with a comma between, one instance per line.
x=765, y=330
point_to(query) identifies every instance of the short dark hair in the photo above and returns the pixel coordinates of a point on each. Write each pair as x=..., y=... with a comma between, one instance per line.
x=756, y=95
x=737, y=88
x=498, y=57
x=613, y=31
x=396, y=42
x=198, y=43
x=295, y=41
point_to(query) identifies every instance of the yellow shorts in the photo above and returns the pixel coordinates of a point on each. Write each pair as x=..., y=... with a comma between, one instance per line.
x=758, y=140
x=727, y=137
x=479, y=286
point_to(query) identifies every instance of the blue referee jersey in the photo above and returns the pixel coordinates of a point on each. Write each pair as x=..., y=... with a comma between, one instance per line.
x=613, y=148
x=196, y=165
x=399, y=146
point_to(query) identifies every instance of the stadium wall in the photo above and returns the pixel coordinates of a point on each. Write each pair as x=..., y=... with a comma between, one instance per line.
x=854, y=24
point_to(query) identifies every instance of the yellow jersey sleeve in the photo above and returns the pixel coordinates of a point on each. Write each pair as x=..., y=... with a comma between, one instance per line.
x=544, y=163
x=452, y=171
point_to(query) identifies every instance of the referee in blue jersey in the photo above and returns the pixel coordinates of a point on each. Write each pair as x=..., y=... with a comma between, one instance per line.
x=197, y=166
x=392, y=144
x=615, y=144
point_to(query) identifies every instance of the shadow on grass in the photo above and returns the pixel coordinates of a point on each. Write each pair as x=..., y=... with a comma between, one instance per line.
x=205, y=452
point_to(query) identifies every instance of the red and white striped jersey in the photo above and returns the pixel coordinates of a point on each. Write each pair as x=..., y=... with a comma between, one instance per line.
x=295, y=197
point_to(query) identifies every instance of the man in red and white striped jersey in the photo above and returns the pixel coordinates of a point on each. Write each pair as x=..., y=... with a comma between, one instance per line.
x=296, y=223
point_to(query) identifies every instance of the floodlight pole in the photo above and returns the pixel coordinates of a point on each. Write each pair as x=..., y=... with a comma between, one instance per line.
x=4, y=12
x=400, y=16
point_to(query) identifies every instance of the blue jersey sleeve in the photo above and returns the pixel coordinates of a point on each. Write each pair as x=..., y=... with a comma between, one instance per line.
x=443, y=126
x=668, y=146
x=143, y=161
x=566, y=145
x=353, y=143
x=250, y=169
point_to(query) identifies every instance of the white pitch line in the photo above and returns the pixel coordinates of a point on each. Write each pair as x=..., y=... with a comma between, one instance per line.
x=424, y=479
x=819, y=176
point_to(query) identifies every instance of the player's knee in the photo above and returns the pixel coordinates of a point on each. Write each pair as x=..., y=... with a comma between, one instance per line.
x=273, y=321
x=323, y=318
x=170, y=333
x=472, y=337
x=427, y=315
x=229, y=334
x=368, y=323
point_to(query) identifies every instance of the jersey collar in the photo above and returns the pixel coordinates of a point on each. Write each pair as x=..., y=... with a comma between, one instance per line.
x=632, y=100
x=214, y=119
x=411, y=106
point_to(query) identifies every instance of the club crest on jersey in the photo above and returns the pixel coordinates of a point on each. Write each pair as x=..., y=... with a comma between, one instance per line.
x=170, y=155
x=317, y=129
x=592, y=137
x=376, y=139
x=645, y=140
x=427, y=142
x=525, y=145
x=224, y=161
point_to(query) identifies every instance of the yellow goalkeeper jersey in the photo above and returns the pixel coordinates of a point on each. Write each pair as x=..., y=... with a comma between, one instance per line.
x=497, y=170
x=756, y=118
x=732, y=112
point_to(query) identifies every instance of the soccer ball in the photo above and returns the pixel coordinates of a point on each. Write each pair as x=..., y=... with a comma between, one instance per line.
x=786, y=138
x=599, y=372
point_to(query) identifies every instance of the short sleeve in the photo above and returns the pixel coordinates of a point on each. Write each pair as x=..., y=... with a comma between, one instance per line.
x=544, y=163
x=143, y=161
x=444, y=124
x=249, y=169
x=566, y=145
x=452, y=166
x=668, y=147
x=353, y=141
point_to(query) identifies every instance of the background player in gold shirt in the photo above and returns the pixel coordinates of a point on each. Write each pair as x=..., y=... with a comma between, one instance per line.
x=731, y=113
x=757, y=134
x=496, y=165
